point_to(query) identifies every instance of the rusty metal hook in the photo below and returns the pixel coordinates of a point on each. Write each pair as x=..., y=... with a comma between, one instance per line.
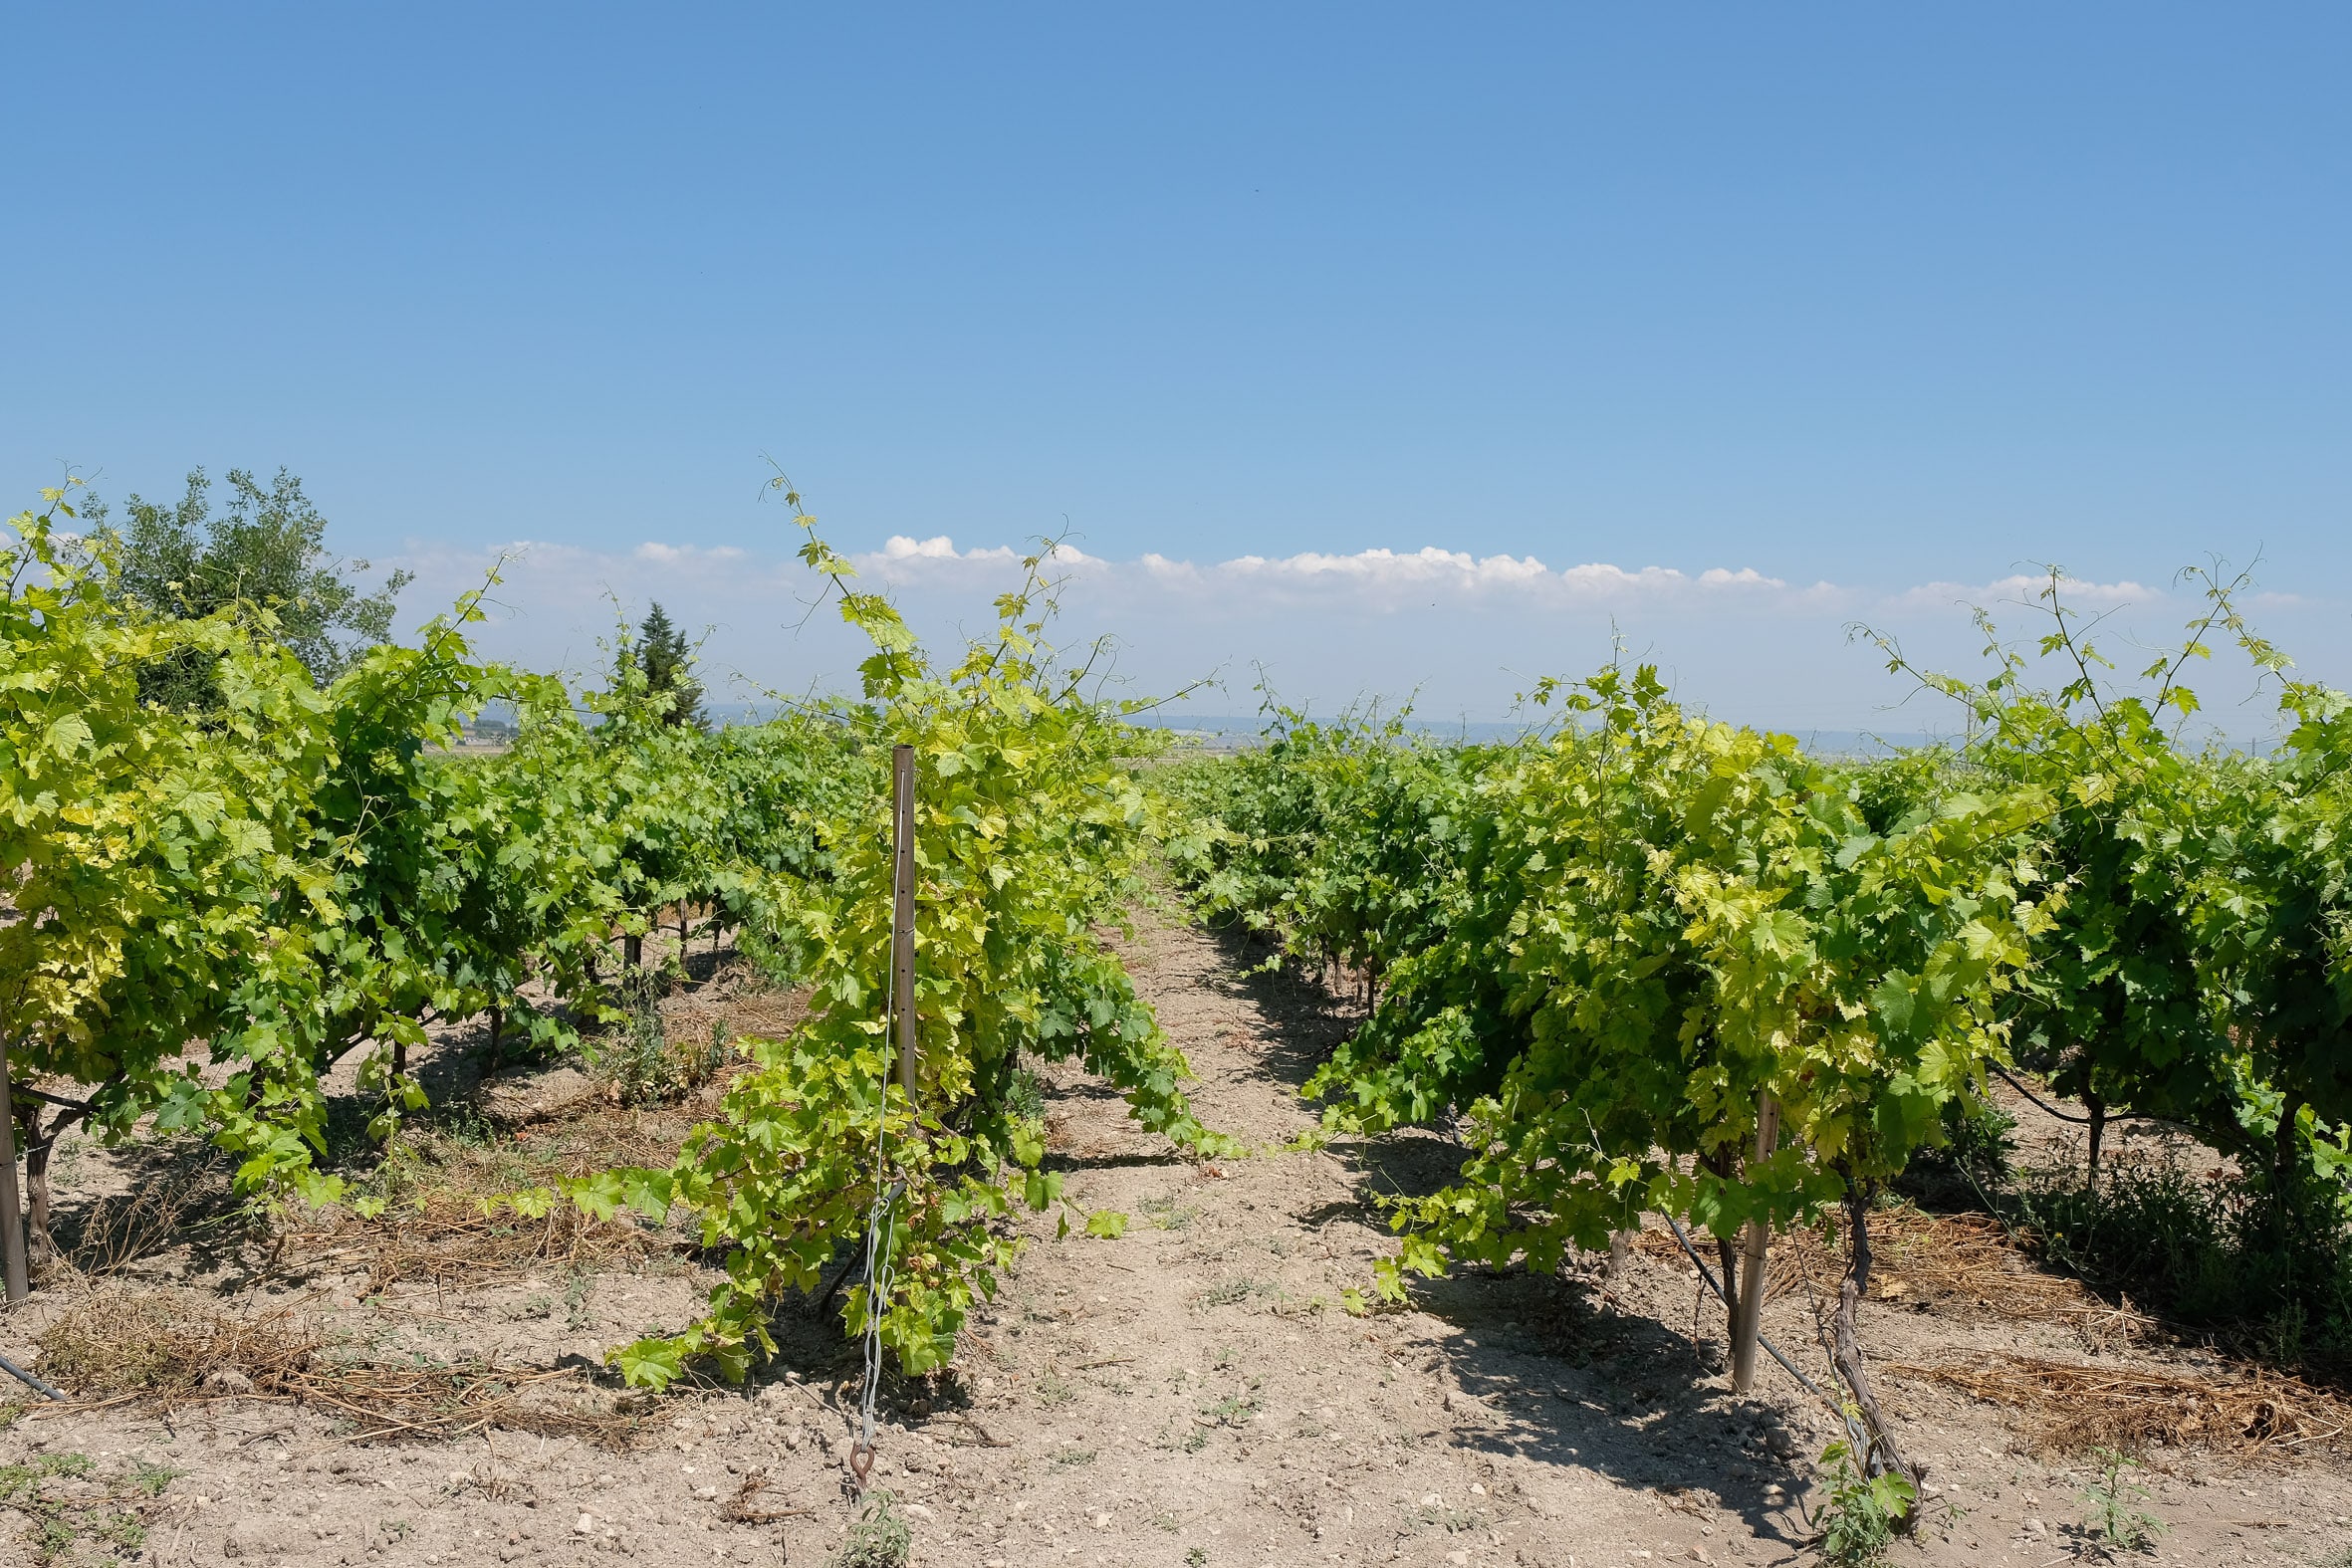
x=862, y=1461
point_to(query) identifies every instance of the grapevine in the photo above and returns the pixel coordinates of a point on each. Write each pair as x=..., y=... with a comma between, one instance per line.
x=1606, y=956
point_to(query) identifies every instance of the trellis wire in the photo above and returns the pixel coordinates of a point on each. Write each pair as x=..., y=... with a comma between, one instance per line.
x=898, y=1027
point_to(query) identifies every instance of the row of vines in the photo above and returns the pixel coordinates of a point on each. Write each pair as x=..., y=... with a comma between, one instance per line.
x=1646, y=963
x=1643, y=963
x=203, y=912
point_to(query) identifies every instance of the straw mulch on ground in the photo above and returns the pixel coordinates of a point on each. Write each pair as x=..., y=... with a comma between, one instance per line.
x=174, y=1348
x=450, y=1239
x=1966, y=1261
x=2071, y=1407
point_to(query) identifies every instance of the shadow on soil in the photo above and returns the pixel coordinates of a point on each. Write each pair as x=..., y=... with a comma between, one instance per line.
x=175, y=1195
x=1309, y=1020
x=1575, y=1379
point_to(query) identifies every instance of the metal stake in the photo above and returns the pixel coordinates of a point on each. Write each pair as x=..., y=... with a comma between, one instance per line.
x=12, y=1218
x=902, y=913
x=1758, y=1243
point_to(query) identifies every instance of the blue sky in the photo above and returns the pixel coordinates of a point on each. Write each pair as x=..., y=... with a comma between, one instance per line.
x=1877, y=298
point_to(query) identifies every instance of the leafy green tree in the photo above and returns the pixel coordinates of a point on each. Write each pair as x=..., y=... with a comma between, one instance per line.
x=662, y=654
x=266, y=549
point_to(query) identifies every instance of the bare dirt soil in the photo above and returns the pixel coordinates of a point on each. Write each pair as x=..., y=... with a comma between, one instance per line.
x=1193, y=1392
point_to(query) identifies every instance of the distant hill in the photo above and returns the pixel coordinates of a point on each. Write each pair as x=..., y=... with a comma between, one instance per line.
x=1226, y=731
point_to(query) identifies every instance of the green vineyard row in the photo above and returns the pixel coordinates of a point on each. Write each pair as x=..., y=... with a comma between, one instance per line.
x=1603, y=953
x=209, y=910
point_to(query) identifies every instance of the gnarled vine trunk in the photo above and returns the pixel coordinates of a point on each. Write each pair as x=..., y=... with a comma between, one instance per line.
x=40, y=1246
x=1885, y=1455
x=1727, y=1257
x=2098, y=1109
x=13, y=1282
x=1726, y=1253
x=1747, y=1305
x=2287, y=1154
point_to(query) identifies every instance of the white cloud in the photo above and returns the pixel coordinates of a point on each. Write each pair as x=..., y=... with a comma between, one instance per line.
x=687, y=554
x=2022, y=589
x=1463, y=631
x=1745, y=577
x=1387, y=568
x=905, y=559
x=899, y=547
x=1598, y=576
x=1379, y=571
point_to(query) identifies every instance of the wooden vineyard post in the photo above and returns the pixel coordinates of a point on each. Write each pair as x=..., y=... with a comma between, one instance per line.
x=902, y=911
x=12, y=1218
x=1752, y=1273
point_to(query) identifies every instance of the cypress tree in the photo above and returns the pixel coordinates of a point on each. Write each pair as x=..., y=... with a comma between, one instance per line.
x=663, y=653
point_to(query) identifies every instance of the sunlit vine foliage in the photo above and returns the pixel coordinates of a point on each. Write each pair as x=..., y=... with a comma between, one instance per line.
x=1590, y=953
x=209, y=908
x=1028, y=828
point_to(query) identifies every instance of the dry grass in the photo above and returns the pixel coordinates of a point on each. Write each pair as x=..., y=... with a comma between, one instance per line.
x=449, y=1239
x=171, y=1348
x=121, y=1343
x=764, y=1014
x=165, y=1207
x=434, y=1228
x=1967, y=1260
x=602, y=1136
x=456, y=1401
x=436, y=1186
x=125, y=1339
x=2071, y=1407
x=737, y=997
x=739, y=1510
